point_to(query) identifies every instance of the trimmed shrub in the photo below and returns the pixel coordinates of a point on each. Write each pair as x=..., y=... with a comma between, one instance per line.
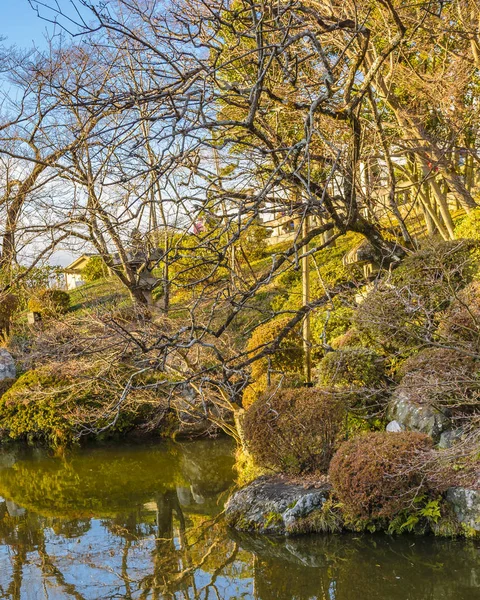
x=461, y=322
x=49, y=302
x=294, y=431
x=286, y=360
x=394, y=319
x=350, y=339
x=404, y=313
x=442, y=377
x=352, y=367
x=377, y=475
x=438, y=270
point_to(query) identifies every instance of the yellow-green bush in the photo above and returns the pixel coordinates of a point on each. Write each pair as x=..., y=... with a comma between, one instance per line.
x=469, y=226
x=49, y=302
x=352, y=367
x=95, y=269
x=287, y=359
x=54, y=404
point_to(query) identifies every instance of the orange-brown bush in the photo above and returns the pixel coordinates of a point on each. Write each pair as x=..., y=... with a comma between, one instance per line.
x=402, y=313
x=442, y=377
x=379, y=474
x=461, y=322
x=295, y=430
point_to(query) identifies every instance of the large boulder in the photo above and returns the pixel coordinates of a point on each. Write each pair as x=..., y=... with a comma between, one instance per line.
x=414, y=416
x=276, y=506
x=466, y=504
x=7, y=365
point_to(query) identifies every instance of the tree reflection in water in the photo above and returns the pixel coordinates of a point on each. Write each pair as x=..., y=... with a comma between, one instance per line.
x=146, y=523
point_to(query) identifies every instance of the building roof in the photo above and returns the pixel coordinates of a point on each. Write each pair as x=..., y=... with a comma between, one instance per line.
x=74, y=267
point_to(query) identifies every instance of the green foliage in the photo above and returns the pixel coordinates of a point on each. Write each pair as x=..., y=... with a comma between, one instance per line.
x=287, y=359
x=8, y=306
x=294, y=431
x=352, y=367
x=332, y=322
x=95, y=269
x=378, y=475
x=49, y=302
x=53, y=405
x=253, y=241
x=469, y=226
x=419, y=517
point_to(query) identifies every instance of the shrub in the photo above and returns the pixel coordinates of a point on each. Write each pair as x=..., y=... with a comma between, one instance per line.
x=329, y=324
x=54, y=404
x=377, y=475
x=403, y=312
x=469, y=226
x=350, y=339
x=394, y=319
x=442, y=377
x=461, y=322
x=438, y=270
x=95, y=269
x=8, y=305
x=352, y=367
x=49, y=302
x=286, y=360
x=294, y=431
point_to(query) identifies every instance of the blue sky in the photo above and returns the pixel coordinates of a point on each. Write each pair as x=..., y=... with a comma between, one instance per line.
x=20, y=25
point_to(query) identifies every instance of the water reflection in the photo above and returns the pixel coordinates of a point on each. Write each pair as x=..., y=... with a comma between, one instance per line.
x=145, y=523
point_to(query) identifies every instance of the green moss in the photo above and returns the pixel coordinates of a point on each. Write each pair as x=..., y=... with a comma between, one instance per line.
x=273, y=518
x=53, y=407
x=327, y=519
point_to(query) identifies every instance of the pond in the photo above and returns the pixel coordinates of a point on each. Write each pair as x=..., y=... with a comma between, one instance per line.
x=144, y=522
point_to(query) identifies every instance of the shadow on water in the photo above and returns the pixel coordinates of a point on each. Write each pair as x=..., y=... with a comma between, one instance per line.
x=145, y=522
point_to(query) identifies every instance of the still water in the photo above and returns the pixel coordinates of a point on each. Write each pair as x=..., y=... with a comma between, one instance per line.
x=144, y=522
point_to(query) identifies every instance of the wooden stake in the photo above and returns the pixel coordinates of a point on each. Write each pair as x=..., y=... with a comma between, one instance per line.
x=307, y=347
